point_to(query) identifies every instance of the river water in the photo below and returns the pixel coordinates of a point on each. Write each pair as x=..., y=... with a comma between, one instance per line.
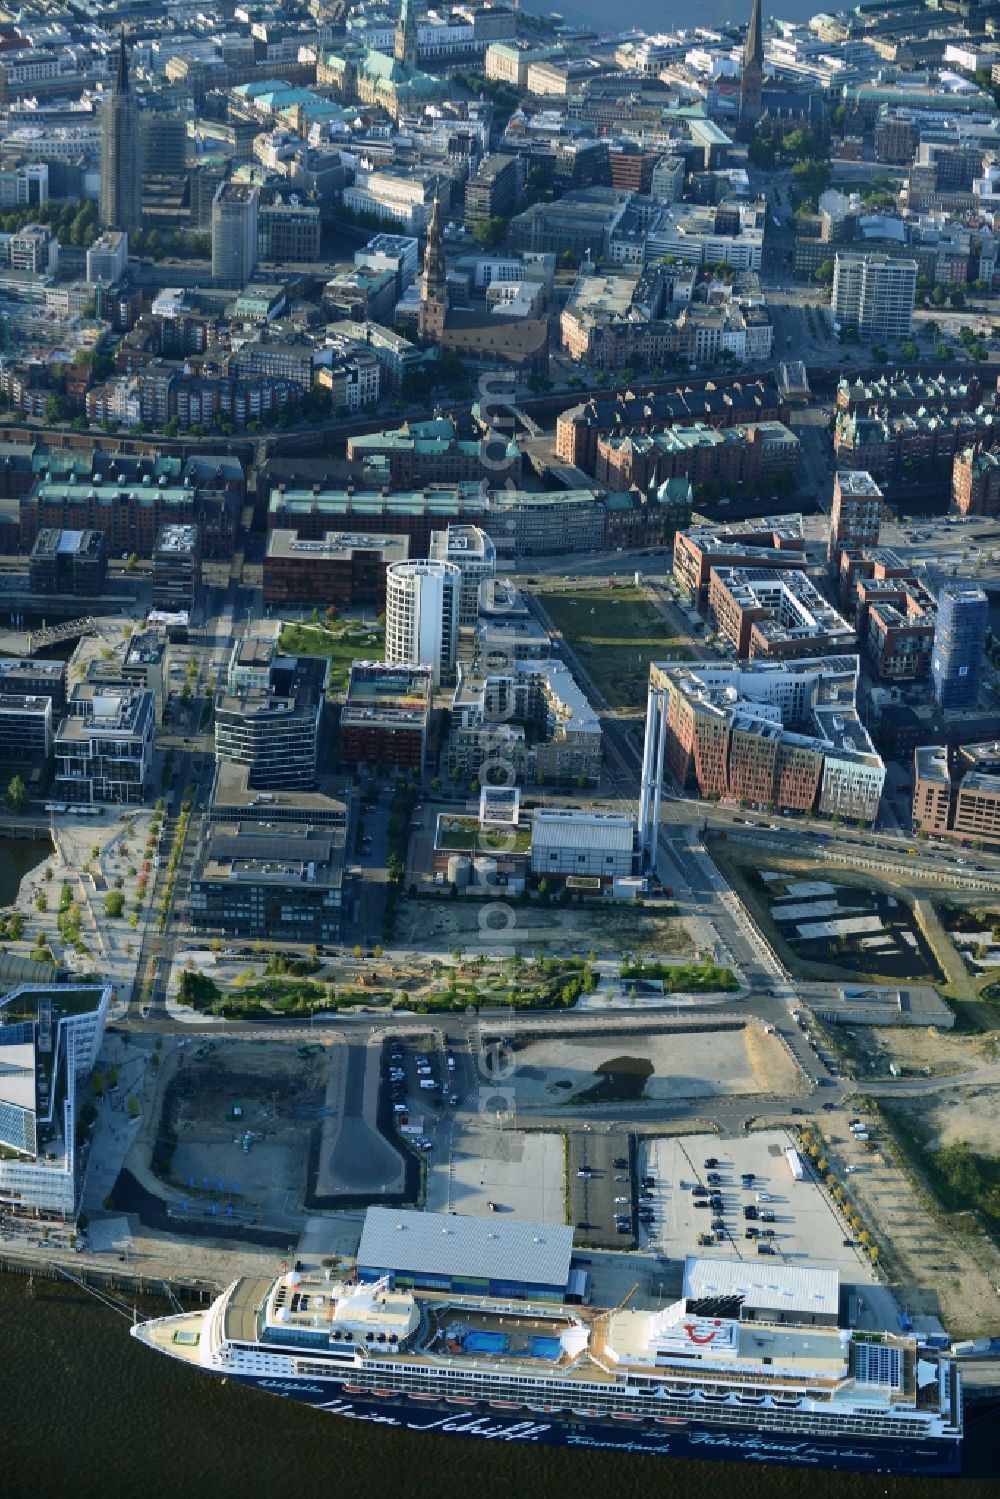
x=17, y=856
x=668, y=16
x=87, y=1412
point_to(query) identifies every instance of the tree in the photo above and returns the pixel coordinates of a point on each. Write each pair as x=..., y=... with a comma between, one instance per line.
x=17, y=794
x=132, y=563
x=41, y=903
x=824, y=272
x=762, y=155
x=132, y=1107
x=114, y=903
x=812, y=177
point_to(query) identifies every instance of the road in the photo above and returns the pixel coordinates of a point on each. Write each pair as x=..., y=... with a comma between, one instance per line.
x=194, y=767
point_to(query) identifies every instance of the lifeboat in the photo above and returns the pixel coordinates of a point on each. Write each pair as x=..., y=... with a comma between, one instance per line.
x=421, y=1395
x=384, y=1394
x=353, y=1389
x=504, y=1405
x=669, y=1421
x=625, y=1416
x=460, y=1400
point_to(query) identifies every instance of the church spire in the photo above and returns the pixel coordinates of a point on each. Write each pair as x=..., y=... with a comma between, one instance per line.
x=434, y=249
x=405, y=48
x=121, y=81
x=752, y=77
x=433, y=309
x=753, y=52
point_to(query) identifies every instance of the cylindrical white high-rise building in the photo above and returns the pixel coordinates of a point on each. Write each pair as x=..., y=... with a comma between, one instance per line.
x=422, y=601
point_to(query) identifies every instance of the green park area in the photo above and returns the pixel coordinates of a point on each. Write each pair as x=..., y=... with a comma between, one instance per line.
x=684, y=978
x=342, y=641
x=616, y=632
x=544, y=983
x=464, y=834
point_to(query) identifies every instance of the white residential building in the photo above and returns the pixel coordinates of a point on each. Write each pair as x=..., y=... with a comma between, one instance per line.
x=875, y=293
x=422, y=604
x=475, y=556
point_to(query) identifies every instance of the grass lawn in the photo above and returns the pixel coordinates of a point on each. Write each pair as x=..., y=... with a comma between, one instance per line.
x=467, y=835
x=344, y=642
x=616, y=633
x=71, y=1000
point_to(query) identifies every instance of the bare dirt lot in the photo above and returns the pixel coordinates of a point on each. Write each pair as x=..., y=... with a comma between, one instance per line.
x=242, y=1113
x=971, y=1117
x=938, y=1270
x=920, y=1049
x=434, y=925
x=653, y=1067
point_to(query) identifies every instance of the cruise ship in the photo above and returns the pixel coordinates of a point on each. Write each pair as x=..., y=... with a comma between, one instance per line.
x=747, y=1364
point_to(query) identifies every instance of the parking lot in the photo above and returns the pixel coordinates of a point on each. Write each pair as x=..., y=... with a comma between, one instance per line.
x=418, y=1072
x=793, y=1220
x=600, y=1189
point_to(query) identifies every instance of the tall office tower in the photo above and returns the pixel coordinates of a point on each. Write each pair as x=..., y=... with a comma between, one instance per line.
x=163, y=133
x=205, y=182
x=121, y=166
x=959, y=641
x=234, y=233
x=422, y=601
x=874, y=293
x=752, y=76
x=856, y=512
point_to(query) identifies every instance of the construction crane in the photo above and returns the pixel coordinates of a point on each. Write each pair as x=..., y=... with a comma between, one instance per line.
x=627, y=1298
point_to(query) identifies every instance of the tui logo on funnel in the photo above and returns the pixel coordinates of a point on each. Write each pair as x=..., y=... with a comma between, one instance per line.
x=706, y=1335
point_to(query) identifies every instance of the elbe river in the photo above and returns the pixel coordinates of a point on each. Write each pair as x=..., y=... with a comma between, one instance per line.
x=87, y=1412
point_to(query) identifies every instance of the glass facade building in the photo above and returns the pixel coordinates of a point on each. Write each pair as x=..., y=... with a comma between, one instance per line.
x=959, y=641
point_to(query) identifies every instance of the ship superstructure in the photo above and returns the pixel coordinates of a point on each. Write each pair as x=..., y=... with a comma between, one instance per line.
x=720, y=1372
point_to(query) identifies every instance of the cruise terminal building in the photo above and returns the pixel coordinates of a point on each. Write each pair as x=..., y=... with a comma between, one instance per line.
x=478, y=1256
